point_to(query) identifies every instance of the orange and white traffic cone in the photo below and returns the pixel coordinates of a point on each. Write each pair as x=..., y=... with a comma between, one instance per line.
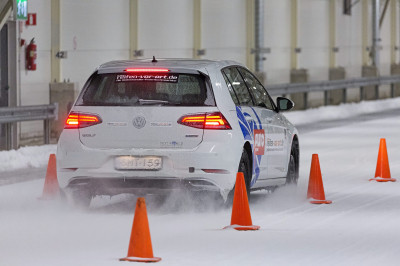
x=140, y=248
x=51, y=189
x=241, y=217
x=382, y=172
x=315, y=185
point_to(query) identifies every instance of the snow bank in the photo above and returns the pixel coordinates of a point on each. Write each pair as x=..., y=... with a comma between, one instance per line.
x=342, y=111
x=26, y=157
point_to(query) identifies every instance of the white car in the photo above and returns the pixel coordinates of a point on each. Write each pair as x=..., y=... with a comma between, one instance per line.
x=155, y=126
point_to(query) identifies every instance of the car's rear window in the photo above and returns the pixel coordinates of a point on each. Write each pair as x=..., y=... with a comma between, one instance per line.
x=131, y=89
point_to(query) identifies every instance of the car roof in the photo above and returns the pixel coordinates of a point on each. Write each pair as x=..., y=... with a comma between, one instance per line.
x=183, y=64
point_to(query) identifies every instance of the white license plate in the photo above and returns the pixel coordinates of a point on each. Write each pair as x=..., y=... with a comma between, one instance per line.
x=138, y=163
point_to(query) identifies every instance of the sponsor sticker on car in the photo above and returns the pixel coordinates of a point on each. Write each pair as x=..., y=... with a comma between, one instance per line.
x=275, y=143
x=259, y=141
x=171, y=78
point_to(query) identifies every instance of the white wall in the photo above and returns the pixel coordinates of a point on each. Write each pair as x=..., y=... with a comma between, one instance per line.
x=224, y=29
x=166, y=28
x=92, y=32
x=96, y=31
x=313, y=33
x=277, y=21
x=385, y=43
x=35, y=83
x=349, y=40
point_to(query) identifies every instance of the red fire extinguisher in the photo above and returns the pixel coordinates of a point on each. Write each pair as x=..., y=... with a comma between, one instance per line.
x=31, y=55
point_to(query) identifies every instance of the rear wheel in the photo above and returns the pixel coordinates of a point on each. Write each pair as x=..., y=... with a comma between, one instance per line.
x=293, y=167
x=245, y=168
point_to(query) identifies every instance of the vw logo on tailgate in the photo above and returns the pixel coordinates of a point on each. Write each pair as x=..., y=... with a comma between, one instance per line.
x=139, y=122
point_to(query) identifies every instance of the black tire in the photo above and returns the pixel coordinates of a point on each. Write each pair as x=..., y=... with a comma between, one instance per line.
x=293, y=167
x=245, y=168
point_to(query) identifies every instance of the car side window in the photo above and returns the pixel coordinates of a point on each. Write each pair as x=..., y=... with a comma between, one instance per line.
x=239, y=86
x=260, y=95
x=230, y=89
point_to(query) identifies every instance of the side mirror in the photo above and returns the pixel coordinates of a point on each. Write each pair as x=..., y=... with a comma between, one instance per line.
x=284, y=104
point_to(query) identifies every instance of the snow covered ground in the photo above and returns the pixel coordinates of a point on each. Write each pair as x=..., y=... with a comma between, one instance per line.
x=360, y=227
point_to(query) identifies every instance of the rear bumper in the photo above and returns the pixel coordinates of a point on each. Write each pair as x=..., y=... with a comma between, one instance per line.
x=139, y=186
x=219, y=150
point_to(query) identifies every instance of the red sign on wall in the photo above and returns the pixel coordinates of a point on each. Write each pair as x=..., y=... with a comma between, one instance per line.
x=259, y=141
x=31, y=21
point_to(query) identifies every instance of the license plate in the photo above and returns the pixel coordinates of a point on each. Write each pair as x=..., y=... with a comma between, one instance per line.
x=138, y=163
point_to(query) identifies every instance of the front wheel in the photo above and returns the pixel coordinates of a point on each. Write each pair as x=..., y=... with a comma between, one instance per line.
x=293, y=167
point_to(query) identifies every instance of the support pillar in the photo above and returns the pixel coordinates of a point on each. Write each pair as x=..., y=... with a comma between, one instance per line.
x=369, y=92
x=336, y=97
x=332, y=33
x=364, y=24
x=335, y=73
x=395, y=88
x=55, y=41
x=4, y=87
x=13, y=80
x=375, y=34
x=293, y=33
x=250, y=34
x=394, y=67
x=393, y=31
x=296, y=75
x=64, y=94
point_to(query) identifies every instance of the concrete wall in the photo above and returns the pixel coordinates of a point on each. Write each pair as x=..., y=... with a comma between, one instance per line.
x=96, y=31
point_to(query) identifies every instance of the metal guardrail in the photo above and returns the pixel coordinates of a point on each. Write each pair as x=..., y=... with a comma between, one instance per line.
x=289, y=88
x=10, y=115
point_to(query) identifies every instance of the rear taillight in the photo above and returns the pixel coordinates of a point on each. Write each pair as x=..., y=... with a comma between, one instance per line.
x=80, y=120
x=205, y=121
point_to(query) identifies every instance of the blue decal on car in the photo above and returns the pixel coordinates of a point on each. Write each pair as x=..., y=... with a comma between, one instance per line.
x=248, y=127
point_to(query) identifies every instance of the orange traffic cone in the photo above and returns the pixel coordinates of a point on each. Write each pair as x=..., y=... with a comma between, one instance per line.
x=51, y=188
x=315, y=185
x=241, y=217
x=382, y=173
x=140, y=248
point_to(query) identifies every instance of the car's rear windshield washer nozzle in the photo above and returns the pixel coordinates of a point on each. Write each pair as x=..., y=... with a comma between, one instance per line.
x=154, y=60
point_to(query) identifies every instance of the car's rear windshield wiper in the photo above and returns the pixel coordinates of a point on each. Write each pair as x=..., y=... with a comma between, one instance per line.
x=143, y=101
x=158, y=102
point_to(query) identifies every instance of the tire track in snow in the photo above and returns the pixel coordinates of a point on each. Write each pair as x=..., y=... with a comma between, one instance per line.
x=306, y=207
